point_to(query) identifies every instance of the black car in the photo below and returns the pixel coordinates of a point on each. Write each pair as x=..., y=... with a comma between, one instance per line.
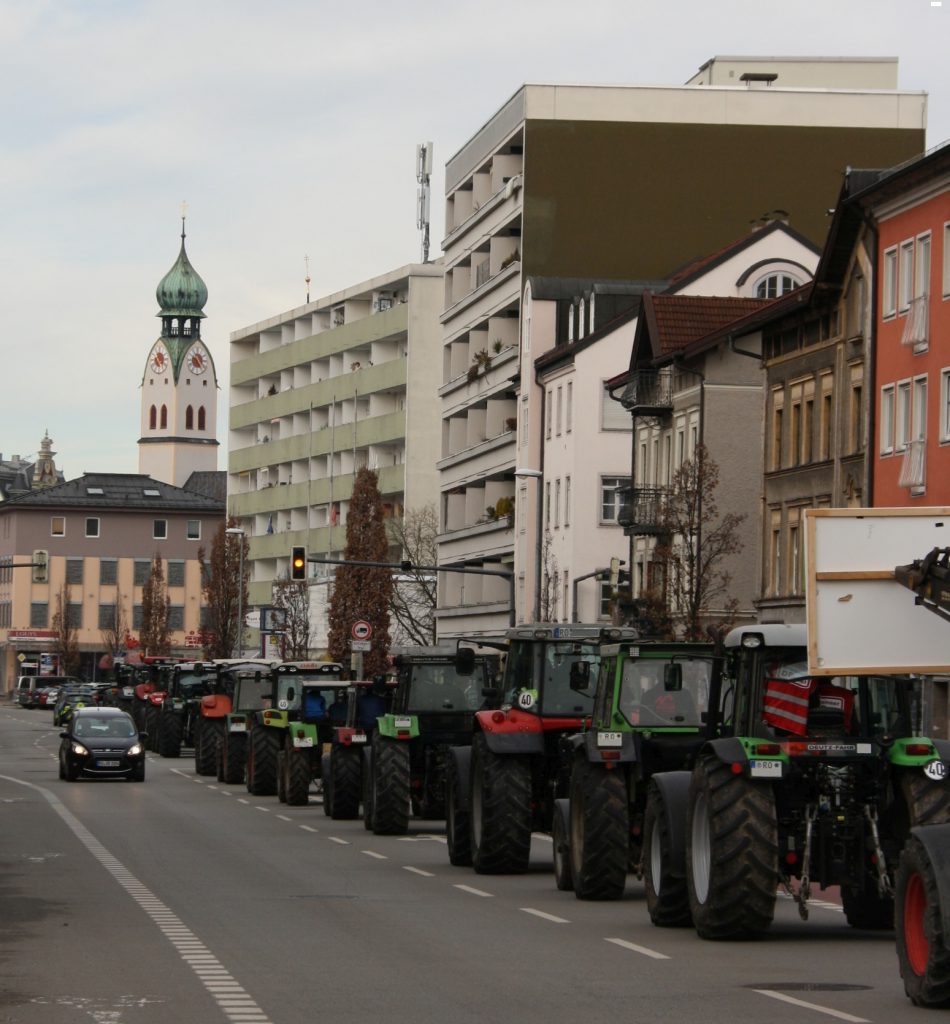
x=102, y=743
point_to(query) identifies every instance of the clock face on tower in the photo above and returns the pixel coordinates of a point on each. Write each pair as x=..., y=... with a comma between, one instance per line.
x=196, y=360
x=160, y=361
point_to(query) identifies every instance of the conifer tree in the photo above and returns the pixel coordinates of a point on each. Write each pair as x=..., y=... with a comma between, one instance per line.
x=155, y=609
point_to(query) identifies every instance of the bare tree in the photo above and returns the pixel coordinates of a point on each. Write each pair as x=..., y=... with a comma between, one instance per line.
x=694, y=546
x=547, y=599
x=224, y=589
x=156, y=605
x=292, y=597
x=66, y=644
x=415, y=592
x=114, y=633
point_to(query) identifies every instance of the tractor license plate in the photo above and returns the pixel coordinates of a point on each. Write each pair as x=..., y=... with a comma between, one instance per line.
x=358, y=737
x=403, y=723
x=765, y=769
x=108, y=764
x=609, y=739
x=303, y=741
x=238, y=727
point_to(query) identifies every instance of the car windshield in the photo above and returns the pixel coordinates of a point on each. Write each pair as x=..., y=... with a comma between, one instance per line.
x=649, y=694
x=92, y=727
x=438, y=687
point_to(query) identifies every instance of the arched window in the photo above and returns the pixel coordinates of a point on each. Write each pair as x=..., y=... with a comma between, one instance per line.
x=201, y=417
x=775, y=285
x=174, y=325
x=189, y=418
x=152, y=418
x=164, y=422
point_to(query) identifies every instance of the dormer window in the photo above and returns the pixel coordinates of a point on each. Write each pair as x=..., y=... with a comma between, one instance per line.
x=773, y=286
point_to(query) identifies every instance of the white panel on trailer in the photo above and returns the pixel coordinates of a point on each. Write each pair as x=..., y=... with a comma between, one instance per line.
x=860, y=620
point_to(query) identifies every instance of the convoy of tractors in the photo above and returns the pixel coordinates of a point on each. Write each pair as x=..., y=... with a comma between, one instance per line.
x=719, y=773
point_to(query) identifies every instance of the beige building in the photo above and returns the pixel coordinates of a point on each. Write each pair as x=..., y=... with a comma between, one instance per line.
x=319, y=392
x=101, y=532
x=615, y=183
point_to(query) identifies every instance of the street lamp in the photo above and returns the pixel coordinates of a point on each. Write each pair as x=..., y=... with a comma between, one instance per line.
x=236, y=531
x=536, y=474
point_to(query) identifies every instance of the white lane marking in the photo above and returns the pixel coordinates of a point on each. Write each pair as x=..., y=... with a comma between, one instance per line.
x=342, y=842
x=547, y=917
x=474, y=892
x=283, y=817
x=418, y=871
x=638, y=949
x=226, y=792
x=307, y=828
x=211, y=787
x=241, y=800
x=811, y=1006
x=823, y=904
x=421, y=839
x=258, y=807
x=203, y=963
x=373, y=853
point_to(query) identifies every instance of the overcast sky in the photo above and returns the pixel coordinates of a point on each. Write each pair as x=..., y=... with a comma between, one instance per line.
x=290, y=129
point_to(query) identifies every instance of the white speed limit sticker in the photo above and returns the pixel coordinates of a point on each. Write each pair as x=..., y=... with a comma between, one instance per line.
x=526, y=699
x=936, y=770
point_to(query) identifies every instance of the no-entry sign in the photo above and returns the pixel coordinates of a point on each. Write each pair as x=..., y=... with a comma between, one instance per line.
x=361, y=630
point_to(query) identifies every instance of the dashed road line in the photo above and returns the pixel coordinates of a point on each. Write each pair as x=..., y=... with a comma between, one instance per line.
x=373, y=853
x=418, y=871
x=471, y=890
x=259, y=807
x=241, y=800
x=337, y=839
x=839, y=1014
x=545, y=916
x=644, y=950
x=307, y=828
x=189, y=947
x=283, y=817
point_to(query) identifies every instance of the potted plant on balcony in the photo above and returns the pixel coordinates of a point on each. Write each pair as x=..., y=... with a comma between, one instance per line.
x=511, y=423
x=505, y=508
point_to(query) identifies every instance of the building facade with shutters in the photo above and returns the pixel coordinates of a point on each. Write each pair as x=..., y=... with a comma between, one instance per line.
x=102, y=532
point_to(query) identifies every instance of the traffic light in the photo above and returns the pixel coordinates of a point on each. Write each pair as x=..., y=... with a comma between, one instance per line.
x=41, y=566
x=298, y=563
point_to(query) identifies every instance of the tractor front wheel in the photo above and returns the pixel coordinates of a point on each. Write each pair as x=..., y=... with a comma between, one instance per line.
x=297, y=774
x=391, y=779
x=500, y=810
x=457, y=827
x=206, y=746
x=667, y=893
x=731, y=852
x=262, y=761
x=345, y=782
x=922, y=950
x=600, y=831
x=561, y=841
x=169, y=734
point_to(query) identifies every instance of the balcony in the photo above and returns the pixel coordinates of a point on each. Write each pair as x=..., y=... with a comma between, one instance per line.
x=641, y=511
x=649, y=393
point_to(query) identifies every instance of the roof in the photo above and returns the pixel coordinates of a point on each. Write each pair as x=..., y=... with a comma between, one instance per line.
x=552, y=288
x=132, y=492
x=675, y=321
x=212, y=483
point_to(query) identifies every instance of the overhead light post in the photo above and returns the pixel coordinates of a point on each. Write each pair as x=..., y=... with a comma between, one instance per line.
x=236, y=531
x=536, y=474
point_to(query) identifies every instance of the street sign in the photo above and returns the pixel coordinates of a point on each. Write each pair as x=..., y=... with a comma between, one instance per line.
x=361, y=630
x=21, y=658
x=360, y=645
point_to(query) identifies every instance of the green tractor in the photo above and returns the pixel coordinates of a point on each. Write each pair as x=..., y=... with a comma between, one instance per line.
x=817, y=780
x=503, y=786
x=438, y=691
x=648, y=717
x=286, y=739
x=248, y=688
x=184, y=685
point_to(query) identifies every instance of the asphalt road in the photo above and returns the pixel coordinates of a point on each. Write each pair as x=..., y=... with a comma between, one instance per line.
x=186, y=900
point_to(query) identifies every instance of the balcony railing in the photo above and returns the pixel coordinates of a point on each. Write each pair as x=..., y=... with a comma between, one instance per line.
x=649, y=392
x=916, y=325
x=641, y=511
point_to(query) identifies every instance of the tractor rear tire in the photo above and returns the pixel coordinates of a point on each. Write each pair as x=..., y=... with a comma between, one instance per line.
x=297, y=776
x=731, y=852
x=282, y=775
x=391, y=781
x=169, y=734
x=262, y=761
x=561, y=841
x=233, y=758
x=151, y=727
x=922, y=950
x=666, y=889
x=369, y=792
x=346, y=782
x=500, y=810
x=600, y=831
x=458, y=834
x=928, y=800
x=207, y=736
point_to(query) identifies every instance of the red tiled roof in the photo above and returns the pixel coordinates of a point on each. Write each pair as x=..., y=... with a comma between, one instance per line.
x=676, y=321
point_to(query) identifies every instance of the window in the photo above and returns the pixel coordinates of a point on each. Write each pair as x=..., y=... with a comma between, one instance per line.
x=946, y=259
x=164, y=422
x=905, y=280
x=92, y=526
x=656, y=461
x=775, y=285
x=523, y=436
x=610, y=488
x=520, y=505
x=39, y=615
x=919, y=409
x=889, y=290
x=560, y=411
x=855, y=410
x=567, y=501
x=74, y=615
x=550, y=411
x=137, y=616
x=74, y=570
x=557, y=503
x=643, y=468
x=547, y=505
x=903, y=415
x=775, y=553
x=152, y=418
x=827, y=422
x=108, y=572
x=613, y=415
x=795, y=425
x=107, y=616
x=667, y=459
x=193, y=529
x=201, y=417
x=887, y=419
x=57, y=526
x=189, y=418
x=945, y=405
x=142, y=570
x=922, y=268
x=204, y=617
x=569, y=411
x=176, y=617
x=176, y=573
x=795, y=552
x=159, y=529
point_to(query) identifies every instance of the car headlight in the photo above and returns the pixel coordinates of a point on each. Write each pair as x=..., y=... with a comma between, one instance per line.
x=135, y=750
x=78, y=748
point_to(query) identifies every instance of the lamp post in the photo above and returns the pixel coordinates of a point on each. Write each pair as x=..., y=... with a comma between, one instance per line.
x=536, y=474
x=236, y=531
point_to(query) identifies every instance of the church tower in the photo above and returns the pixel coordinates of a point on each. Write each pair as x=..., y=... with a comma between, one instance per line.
x=179, y=386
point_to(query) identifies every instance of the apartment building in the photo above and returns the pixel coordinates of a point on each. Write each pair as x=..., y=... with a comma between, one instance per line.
x=613, y=183
x=316, y=394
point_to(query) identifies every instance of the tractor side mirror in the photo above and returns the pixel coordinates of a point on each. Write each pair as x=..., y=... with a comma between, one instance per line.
x=465, y=660
x=580, y=675
x=291, y=693
x=673, y=677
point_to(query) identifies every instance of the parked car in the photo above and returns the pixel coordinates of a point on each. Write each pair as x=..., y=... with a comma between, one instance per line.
x=29, y=688
x=102, y=742
x=71, y=697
